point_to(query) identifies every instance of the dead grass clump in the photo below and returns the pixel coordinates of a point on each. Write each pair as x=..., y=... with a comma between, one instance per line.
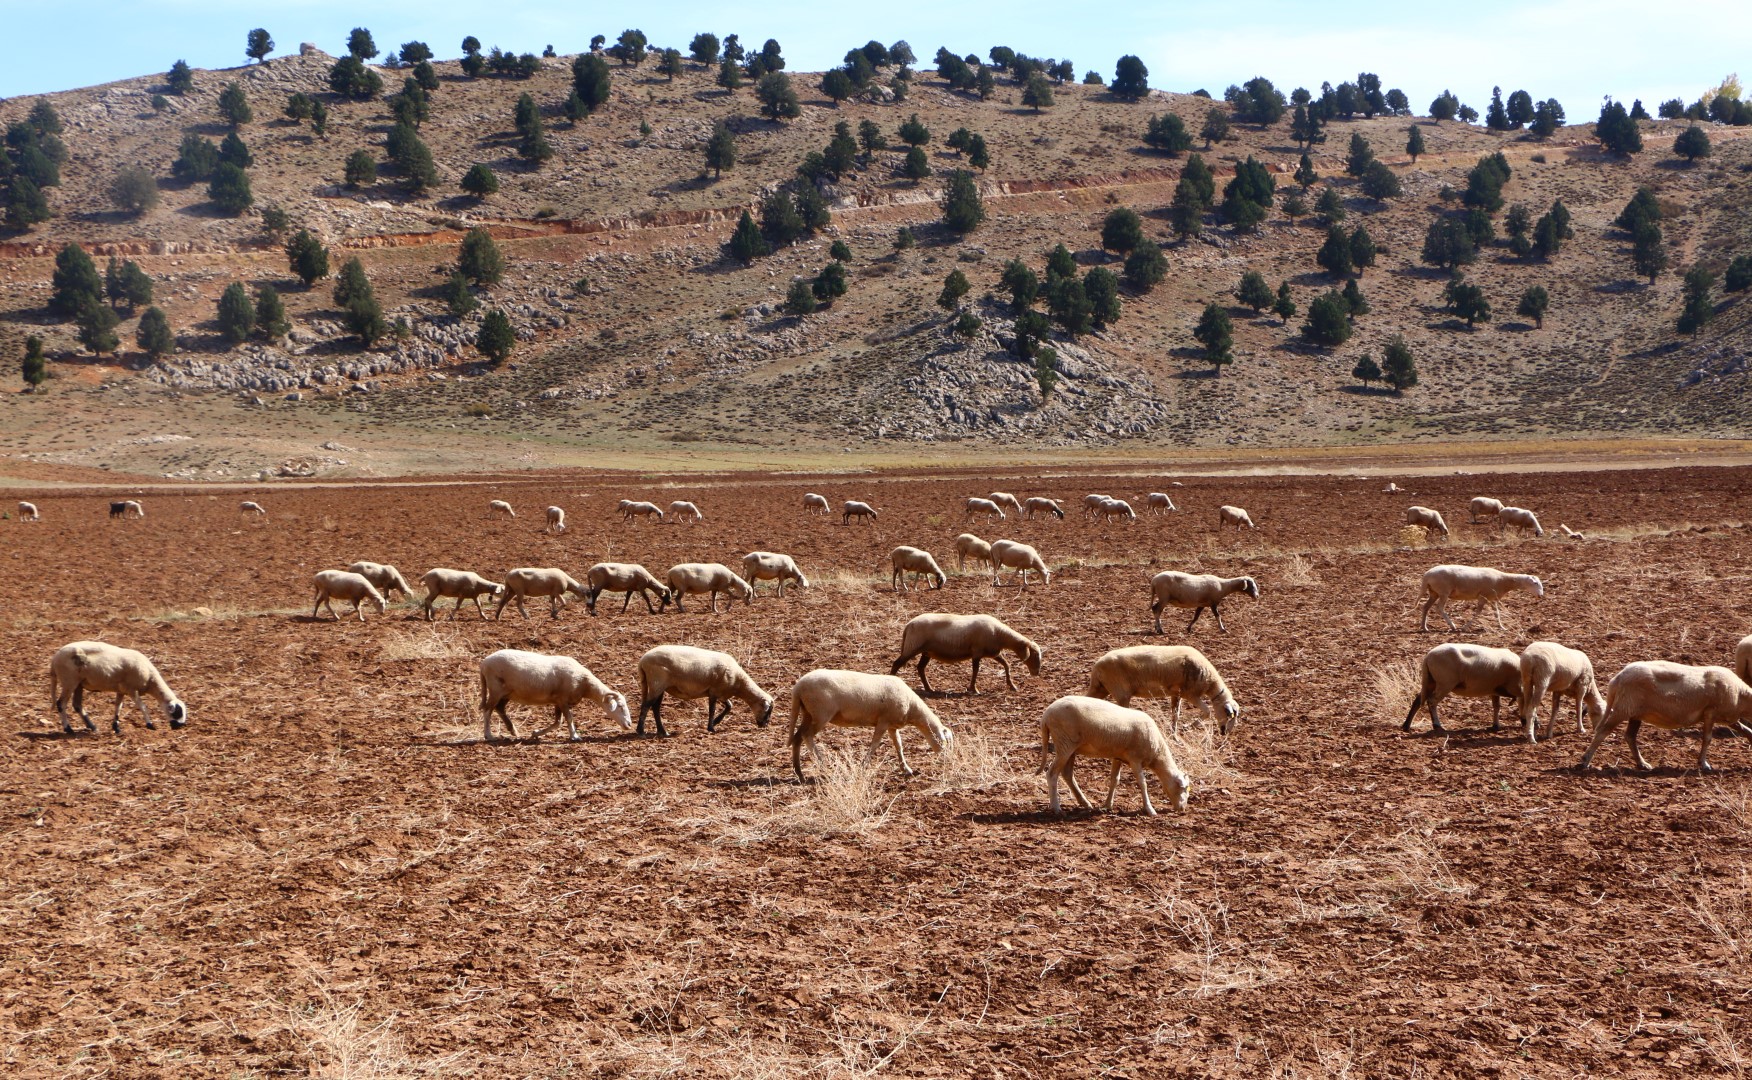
x=975, y=761
x=1201, y=752
x=845, y=798
x=344, y=1046
x=1214, y=960
x=1298, y=572
x=1412, y=537
x=1395, y=684
x=436, y=641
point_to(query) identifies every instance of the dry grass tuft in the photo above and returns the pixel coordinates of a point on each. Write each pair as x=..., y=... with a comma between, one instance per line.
x=343, y=1046
x=434, y=641
x=845, y=798
x=975, y=761
x=1395, y=684
x=1412, y=537
x=1298, y=572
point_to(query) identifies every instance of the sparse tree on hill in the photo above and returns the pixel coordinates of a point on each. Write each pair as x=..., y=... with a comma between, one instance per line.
x=1046, y=372
x=1739, y=275
x=1692, y=143
x=1448, y=244
x=837, y=85
x=800, y=300
x=134, y=191
x=237, y=314
x=478, y=258
x=35, y=368
x=778, y=100
x=1469, y=302
x=1329, y=320
x=413, y=53
x=1398, y=368
x=704, y=48
x=963, y=209
x=298, y=106
x=229, y=189
x=720, y=148
x=1216, y=333
x=181, y=78
x=1548, y=116
x=234, y=105
x=1216, y=126
x=955, y=286
x=1186, y=212
x=914, y=133
x=1060, y=263
x=306, y=257
x=458, y=299
x=97, y=328
x=1414, y=144
x=830, y=284
x=1305, y=174
x=1122, y=230
x=1131, y=79
x=359, y=44
x=1649, y=250
x=1248, y=197
x=259, y=45
x=361, y=169
x=1284, y=305
x=232, y=151
x=1362, y=250
x=1699, y=306
x=153, y=334
x=480, y=181
x=591, y=78
x=1101, y=287
x=1037, y=94
x=730, y=75
x=319, y=119
x=1023, y=284
x=1335, y=254
x=349, y=77
x=1145, y=267
x=496, y=338
x=747, y=243
x=1168, y=134
x=1616, y=130
x=1366, y=370
x=1534, y=303
x=630, y=47
x=1253, y=292
x=1354, y=298
x=1361, y=156
x=670, y=64
x=1380, y=182
x=917, y=165
x=270, y=314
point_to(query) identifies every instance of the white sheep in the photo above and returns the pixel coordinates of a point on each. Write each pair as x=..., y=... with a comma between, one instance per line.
x=107, y=669
x=954, y=639
x=386, y=578
x=1424, y=516
x=1233, y=515
x=882, y=703
x=969, y=546
x=461, y=584
x=1171, y=588
x=1092, y=501
x=1449, y=582
x=629, y=578
x=682, y=510
x=345, y=585
x=759, y=566
x=1014, y=555
x=688, y=674
x=529, y=678
x=128, y=508
x=1672, y=697
x=1466, y=670
x=1548, y=666
x=917, y=562
x=248, y=507
x=707, y=579
x=816, y=504
x=1743, y=659
x=1484, y=507
x=500, y=508
x=27, y=511
x=1571, y=533
x=1116, y=508
x=986, y=508
x=1391, y=488
x=1165, y=671
x=1158, y=502
x=548, y=581
x=855, y=509
x=631, y=509
x=1516, y=517
x=1076, y=725
x=1040, y=505
x=1004, y=498
x=556, y=520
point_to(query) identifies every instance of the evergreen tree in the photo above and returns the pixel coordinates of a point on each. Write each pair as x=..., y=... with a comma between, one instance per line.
x=837, y=85
x=1248, y=197
x=800, y=300
x=1305, y=174
x=1448, y=244
x=480, y=181
x=963, y=209
x=1518, y=223
x=1648, y=250
x=1362, y=250
x=1060, y=263
x=134, y=286
x=830, y=284
x=1469, y=302
x=415, y=52
x=916, y=166
x=496, y=338
x=1330, y=205
x=458, y=299
x=1168, y=134
x=1216, y=333
x=1031, y=329
x=232, y=151
x=26, y=205
x=1335, y=253
x=1284, y=306
x=349, y=77
x=298, y=106
x=270, y=314
x=76, y=282
x=704, y=49
x=306, y=257
x=1122, y=230
x=1022, y=283
x=914, y=133
x=97, y=328
x=1366, y=370
x=1216, y=126
x=236, y=314
x=234, y=105
x=1380, y=182
x=1131, y=79
x=1520, y=110
x=1186, y=212
x=1253, y=292
x=1101, y=286
x=319, y=119
x=1398, y=368
x=955, y=286
x=1699, y=306
x=1496, y=117
x=1478, y=226
x=977, y=154
x=35, y=368
x=670, y=64
x=133, y=190
x=1046, y=372
x=1037, y=95
x=1361, y=155
x=1204, y=182
x=361, y=169
x=478, y=258
x=1293, y=204
x=1547, y=118
x=777, y=98
x=747, y=243
x=1692, y=143
x=1145, y=267
x=1739, y=275
x=351, y=282
x=590, y=77
x=1354, y=299
x=411, y=156
x=1616, y=131
x=359, y=44
x=195, y=160
x=730, y=75
x=1328, y=320
x=1414, y=145
x=181, y=78
x=364, y=317
x=1534, y=303
x=1642, y=207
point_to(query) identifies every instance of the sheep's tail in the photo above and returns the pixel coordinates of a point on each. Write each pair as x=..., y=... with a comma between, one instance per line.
x=1045, y=746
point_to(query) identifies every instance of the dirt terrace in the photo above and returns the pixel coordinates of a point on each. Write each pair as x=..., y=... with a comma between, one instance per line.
x=327, y=873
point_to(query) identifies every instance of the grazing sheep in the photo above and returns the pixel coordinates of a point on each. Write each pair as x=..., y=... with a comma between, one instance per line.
x=1743, y=659
x=551, y=582
x=1171, y=588
x=1091, y=502
x=953, y=639
x=1483, y=507
x=629, y=578
x=1004, y=498
x=1391, y=488
x=969, y=546
x=556, y=520
x=500, y=508
x=1039, y=505
x=247, y=507
x=106, y=669
x=1546, y=665
x=1013, y=555
x=857, y=699
x=1116, y=508
x=855, y=509
x=461, y=584
x=1482, y=583
x=1672, y=697
x=387, y=578
x=631, y=509
x=1427, y=518
x=1571, y=533
x=1164, y=671
x=347, y=586
x=27, y=511
x=688, y=674
x=917, y=562
x=130, y=508
x=529, y=678
x=1158, y=502
x=682, y=510
x=816, y=504
x=1524, y=520
x=707, y=579
x=759, y=566
x=1084, y=725
x=984, y=508
x=1467, y=671
x=1233, y=515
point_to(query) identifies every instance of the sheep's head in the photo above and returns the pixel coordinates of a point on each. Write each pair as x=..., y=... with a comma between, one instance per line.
x=179, y=714
x=1231, y=712
x=1031, y=657
x=765, y=715
x=1534, y=586
x=1179, y=789
x=590, y=596
x=615, y=704
x=802, y=582
x=666, y=595
x=1250, y=587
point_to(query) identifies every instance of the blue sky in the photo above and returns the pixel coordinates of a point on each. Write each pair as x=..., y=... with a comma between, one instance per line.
x=1574, y=50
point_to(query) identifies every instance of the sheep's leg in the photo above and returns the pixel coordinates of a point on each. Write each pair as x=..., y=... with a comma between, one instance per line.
x=1425, y=623
x=1174, y=724
x=1009, y=680
x=1497, y=606
x=900, y=750
x=553, y=607
x=1156, y=610
x=1144, y=789
x=317, y=607
x=1703, y=765
x=1496, y=712
x=1443, y=608
x=487, y=710
x=1069, y=768
x=1112, y=785
x=876, y=736
x=1416, y=704
x=571, y=722
x=510, y=725
x=521, y=610
x=973, y=683
x=797, y=746
x=1217, y=612
x=116, y=720
x=1196, y=613
x=925, y=658
x=145, y=713
x=712, y=714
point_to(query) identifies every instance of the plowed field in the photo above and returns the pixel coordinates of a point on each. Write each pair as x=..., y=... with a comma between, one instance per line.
x=329, y=873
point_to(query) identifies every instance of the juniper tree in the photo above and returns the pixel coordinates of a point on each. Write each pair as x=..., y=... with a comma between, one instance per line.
x=592, y=81
x=778, y=100
x=1361, y=155
x=1398, y=367
x=153, y=335
x=1253, y=292
x=76, y=283
x=1284, y=306
x=963, y=209
x=1692, y=143
x=259, y=45
x=133, y=190
x=1534, y=303
x=1366, y=370
x=1335, y=254
x=270, y=314
x=1216, y=333
x=1145, y=267
x=1131, y=79
x=747, y=243
x=480, y=181
x=1122, y=230
x=496, y=338
x=360, y=169
x=1648, y=250
x=1328, y=321
x=478, y=258
x=1414, y=144
x=237, y=314
x=181, y=78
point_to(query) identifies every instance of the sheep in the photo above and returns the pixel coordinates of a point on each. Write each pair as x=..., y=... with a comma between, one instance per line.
x=1482, y=583
x=688, y=674
x=461, y=584
x=710, y=579
x=551, y=582
x=386, y=578
x=1004, y=498
x=27, y=511
x=916, y=561
x=630, y=509
x=1485, y=507
x=759, y=566
x=816, y=504
x=984, y=507
x=1468, y=671
x=629, y=578
x=1014, y=555
x=1546, y=665
x=682, y=510
x=1427, y=518
x=1743, y=659
x=1571, y=533
x=855, y=509
x=529, y=678
x=1233, y=515
x=500, y=508
x=955, y=638
x=1171, y=588
x=1090, y=502
x=1391, y=488
x=1112, y=508
x=1075, y=725
x=130, y=508
x=1158, y=502
x=882, y=703
x=1519, y=519
x=1672, y=697
x=969, y=546
x=107, y=669
x=247, y=507
x=1164, y=671
x=347, y=586
x=1040, y=505
x=556, y=520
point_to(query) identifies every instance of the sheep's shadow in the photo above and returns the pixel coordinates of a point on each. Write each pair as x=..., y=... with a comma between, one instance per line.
x=753, y=782
x=1044, y=816
x=57, y=734
x=1476, y=738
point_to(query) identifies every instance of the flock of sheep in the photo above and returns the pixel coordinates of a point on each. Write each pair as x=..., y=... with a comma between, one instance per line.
x=1097, y=723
